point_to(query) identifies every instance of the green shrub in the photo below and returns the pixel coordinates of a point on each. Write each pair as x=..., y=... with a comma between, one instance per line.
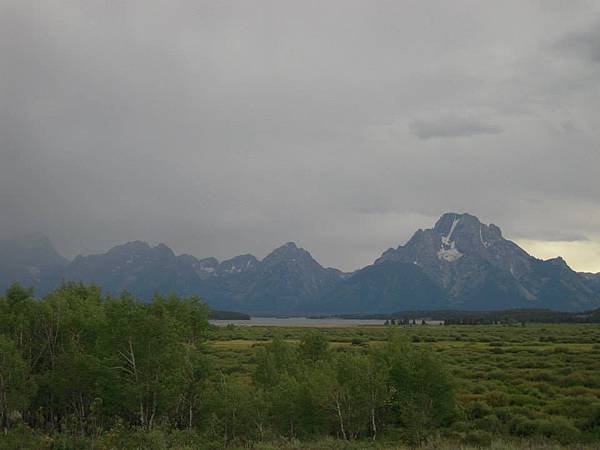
x=593, y=420
x=478, y=438
x=559, y=428
x=478, y=409
x=497, y=398
x=523, y=427
x=489, y=423
x=462, y=426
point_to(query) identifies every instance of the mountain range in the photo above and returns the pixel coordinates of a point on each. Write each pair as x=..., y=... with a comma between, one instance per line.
x=460, y=263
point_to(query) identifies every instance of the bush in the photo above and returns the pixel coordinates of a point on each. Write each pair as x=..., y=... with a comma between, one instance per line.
x=497, y=398
x=593, y=421
x=559, y=428
x=478, y=409
x=489, y=423
x=478, y=439
x=524, y=427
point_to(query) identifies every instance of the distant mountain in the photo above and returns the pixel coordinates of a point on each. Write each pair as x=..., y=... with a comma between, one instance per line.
x=459, y=264
x=592, y=279
x=382, y=288
x=138, y=268
x=475, y=267
x=283, y=282
x=28, y=260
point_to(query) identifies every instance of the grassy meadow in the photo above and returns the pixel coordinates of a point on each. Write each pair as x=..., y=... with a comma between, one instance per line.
x=516, y=385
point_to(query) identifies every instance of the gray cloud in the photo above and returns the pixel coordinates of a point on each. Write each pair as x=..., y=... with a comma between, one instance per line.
x=451, y=127
x=229, y=127
x=584, y=43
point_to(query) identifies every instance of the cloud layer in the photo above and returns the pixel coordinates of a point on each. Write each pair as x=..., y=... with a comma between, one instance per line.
x=229, y=127
x=451, y=127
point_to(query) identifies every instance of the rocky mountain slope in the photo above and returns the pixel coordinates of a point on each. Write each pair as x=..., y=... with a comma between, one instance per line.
x=477, y=269
x=283, y=281
x=460, y=263
x=592, y=279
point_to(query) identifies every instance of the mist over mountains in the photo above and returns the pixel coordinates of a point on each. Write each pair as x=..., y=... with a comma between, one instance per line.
x=460, y=263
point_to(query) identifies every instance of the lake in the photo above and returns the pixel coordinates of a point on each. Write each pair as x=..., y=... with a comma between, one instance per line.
x=298, y=322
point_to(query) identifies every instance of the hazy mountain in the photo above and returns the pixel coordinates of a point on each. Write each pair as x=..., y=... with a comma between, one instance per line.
x=237, y=264
x=29, y=260
x=283, y=282
x=138, y=268
x=460, y=263
x=474, y=266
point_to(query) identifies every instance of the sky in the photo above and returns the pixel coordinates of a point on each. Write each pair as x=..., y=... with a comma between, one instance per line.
x=229, y=127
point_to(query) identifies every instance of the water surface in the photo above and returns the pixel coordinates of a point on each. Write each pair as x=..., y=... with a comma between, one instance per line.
x=298, y=322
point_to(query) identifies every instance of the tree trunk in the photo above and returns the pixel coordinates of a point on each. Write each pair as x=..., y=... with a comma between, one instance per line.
x=339, y=411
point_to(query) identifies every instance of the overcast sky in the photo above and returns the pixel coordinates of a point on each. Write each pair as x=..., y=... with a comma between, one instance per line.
x=227, y=127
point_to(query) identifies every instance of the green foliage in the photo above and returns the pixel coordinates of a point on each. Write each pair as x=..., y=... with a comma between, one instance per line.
x=80, y=370
x=236, y=413
x=312, y=389
x=95, y=360
x=16, y=386
x=424, y=394
x=313, y=347
x=478, y=439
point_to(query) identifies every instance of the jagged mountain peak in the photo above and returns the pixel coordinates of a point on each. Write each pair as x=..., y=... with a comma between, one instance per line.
x=238, y=264
x=477, y=266
x=446, y=221
x=466, y=226
x=458, y=263
x=558, y=262
x=140, y=248
x=453, y=236
x=287, y=252
x=130, y=247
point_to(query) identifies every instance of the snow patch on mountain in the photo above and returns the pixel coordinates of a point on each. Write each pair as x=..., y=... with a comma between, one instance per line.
x=484, y=243
x=450, y=255
x=448, y=250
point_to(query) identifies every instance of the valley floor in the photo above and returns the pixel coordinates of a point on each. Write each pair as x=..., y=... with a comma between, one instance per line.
x=527, y=382
x=517, y=387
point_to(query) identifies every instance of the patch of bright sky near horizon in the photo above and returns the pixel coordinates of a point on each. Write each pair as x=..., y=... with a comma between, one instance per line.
x=231, y=127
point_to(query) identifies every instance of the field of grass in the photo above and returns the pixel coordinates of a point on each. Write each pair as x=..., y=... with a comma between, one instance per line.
x=538, y=383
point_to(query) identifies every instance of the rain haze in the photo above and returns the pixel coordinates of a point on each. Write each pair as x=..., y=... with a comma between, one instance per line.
x=222, y=128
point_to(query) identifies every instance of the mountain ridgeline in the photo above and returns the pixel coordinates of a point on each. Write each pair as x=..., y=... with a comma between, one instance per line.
x=460, y=263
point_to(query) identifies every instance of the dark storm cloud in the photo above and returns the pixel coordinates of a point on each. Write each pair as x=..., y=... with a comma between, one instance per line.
x=451, y=127
x=229, y=127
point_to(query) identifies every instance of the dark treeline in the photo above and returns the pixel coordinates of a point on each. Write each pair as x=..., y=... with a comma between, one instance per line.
x=485, y=317
x=83, y=368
